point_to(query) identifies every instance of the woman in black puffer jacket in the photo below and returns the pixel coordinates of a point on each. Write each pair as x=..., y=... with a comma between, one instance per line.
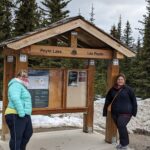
x=123, y=108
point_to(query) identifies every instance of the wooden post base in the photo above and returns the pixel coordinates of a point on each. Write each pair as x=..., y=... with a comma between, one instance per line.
x=87, y=128
x=111, y=130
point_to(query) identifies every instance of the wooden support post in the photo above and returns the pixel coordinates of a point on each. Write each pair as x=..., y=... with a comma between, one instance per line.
x=73, y=41
x=111, y=130
x=88, y=117
x=9, y=71
x=64, y=89
x=21, y=62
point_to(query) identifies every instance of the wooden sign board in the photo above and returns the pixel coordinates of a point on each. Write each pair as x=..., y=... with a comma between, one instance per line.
x=76, y=88
x=54, y=51
x=38, y=87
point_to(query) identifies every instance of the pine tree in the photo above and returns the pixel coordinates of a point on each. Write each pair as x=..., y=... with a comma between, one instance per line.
x=26, y=16
x=6, y=26
x=126, y=63
x=114, y=31
x=92, y=14
x=55, y=10
x=138, y=45
x=144, y=73
x=5, y=19
x=119, y=29
x=135, y=68
x=101, y=77
x=127, y=37
x=141, y=66
x=79, y=13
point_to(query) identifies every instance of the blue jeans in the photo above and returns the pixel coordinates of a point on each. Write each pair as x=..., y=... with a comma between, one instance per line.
x=20, y=131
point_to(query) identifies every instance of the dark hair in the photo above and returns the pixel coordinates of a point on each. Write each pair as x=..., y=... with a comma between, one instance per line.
x=120, y=75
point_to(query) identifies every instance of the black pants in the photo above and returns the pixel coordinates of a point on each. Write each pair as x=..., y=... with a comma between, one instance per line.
x=121, y=121
x=20, y=131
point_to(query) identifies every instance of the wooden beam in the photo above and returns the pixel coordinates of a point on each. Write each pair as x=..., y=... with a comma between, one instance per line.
x=68, y=52
x=64, y=90
x=46, y=111
x=90, y=40
x=74, y=40
x=118, y=55
x=40, y=36
x=106, y=39
x=10, y=52
x=88, y=117
x=65, y=39
x=111, y=130
x=20, y=65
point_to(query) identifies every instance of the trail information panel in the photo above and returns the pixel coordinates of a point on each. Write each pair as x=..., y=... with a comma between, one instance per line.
x=38, y=87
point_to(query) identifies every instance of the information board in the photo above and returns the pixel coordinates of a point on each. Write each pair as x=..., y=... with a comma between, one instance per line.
x=38, y=87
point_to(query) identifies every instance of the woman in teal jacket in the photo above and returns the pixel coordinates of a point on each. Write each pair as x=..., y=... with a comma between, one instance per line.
x=18, y=111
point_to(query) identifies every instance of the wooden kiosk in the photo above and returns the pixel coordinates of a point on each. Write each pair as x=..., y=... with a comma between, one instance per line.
x=62, y=90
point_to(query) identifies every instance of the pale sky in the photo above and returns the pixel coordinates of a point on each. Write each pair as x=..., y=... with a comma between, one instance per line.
x=107, y=12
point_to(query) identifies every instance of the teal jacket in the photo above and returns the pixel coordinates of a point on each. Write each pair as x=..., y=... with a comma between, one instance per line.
x=19, y=98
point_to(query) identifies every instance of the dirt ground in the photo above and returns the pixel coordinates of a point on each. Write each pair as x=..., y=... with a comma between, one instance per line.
x=137, y=141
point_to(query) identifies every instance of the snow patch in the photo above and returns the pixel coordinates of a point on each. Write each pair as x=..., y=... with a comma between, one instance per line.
x=141, y=121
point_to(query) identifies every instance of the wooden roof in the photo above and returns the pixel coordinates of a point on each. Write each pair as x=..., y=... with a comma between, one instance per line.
x=89, y=35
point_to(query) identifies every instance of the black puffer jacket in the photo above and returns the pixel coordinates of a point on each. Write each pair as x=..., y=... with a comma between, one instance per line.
x=124, y=103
